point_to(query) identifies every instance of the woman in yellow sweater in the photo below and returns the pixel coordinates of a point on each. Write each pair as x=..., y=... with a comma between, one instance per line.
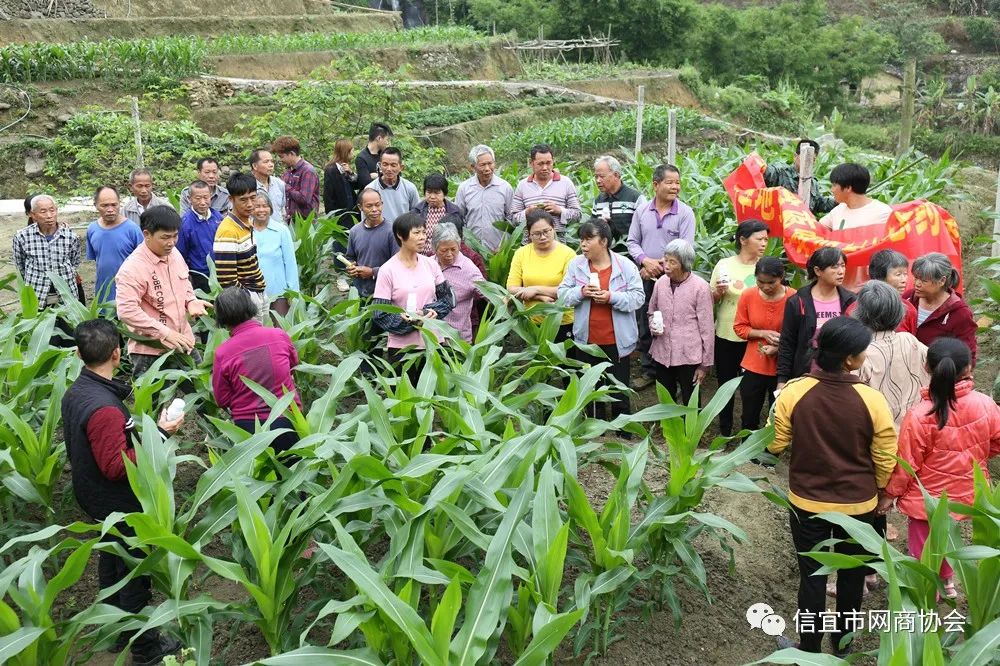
x=538, y=268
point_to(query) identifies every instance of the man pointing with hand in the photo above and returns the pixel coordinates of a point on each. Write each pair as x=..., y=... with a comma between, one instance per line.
x=155, y=296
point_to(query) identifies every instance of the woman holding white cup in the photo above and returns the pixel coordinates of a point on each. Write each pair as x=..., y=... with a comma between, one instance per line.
x=683, y=348
x=730, y=278
x=604, y=289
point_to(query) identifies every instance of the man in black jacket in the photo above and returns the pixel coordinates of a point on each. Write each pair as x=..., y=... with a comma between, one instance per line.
x=617, y=202
x=99, y=434
x=366, y=164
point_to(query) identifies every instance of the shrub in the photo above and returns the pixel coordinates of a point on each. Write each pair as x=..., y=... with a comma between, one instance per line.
x=984, y=32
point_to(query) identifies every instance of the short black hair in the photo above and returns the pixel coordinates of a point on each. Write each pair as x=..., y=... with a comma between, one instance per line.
x=772, y=266
x=806, y=142
x=199, y=185
x=392, y=150
x=660, y=172
x=159, y=218
x=101, y=188
x=96, y=341
x=201, y=162
x=884, y=261
x=379, y=130
x=748, y=228
x=541, y=148
x=255, y=156
x=839, y=338
x=435, y=181
x=233, y=306
x=241, y=183
x=404, y=224
x=822, y=259
x=533, y=216
x=596, y=227
x=851, y=175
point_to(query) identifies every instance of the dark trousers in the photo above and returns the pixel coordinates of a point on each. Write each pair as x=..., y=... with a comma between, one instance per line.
x=755, y=391
x=281, y=306
x=645, y=337
x=199, y=281
x=678, y=380
x=133, y=595
x=619, y=370
x=807, y=532
x=284, y=441
x=728, y=356
x=396, y=358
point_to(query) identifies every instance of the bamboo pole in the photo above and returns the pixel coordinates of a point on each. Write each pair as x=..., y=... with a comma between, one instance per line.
x=638, y=119
x=140, y=161
x=672, y=137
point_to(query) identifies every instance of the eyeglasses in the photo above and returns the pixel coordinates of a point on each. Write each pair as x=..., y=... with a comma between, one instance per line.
x=540, y=234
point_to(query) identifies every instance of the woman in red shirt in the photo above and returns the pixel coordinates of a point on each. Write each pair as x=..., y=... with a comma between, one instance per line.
x=759, y=315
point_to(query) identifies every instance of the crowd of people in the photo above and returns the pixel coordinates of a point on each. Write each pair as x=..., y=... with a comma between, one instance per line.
x=849, y=360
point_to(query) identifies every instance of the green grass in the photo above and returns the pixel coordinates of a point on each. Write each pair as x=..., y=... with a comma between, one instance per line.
x=450, y=114
x=185, y=56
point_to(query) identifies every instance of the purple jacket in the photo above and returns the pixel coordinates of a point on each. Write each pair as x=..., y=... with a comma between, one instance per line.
x=688, y=327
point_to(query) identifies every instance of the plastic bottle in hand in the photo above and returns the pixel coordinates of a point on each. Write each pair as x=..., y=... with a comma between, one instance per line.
x=723, y=277
x=657, y=324
x=595, y=280
x=176, y=409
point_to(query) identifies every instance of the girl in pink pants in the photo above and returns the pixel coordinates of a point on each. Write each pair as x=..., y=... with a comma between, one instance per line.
x=943, y=436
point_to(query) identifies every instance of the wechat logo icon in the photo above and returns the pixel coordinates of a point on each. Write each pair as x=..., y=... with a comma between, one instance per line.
x=761, y=616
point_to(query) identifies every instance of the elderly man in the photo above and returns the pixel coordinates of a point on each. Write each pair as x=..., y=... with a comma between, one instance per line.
x=617, y=202
x=45, y=247
x=196, y=240
x=262, y=168
x=783, y=175
x=398, y=194
x=155, y=297
x=208, y=172
x=665, y=219
x=484, y=198
x=140, y=184
x=546, y=189
x=111, y=238
x=301, y=181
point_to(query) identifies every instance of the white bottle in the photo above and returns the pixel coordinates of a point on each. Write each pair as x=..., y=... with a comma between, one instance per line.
x=723, y=277
x=595, y=280
x=658, y=322
x=176, y=409
x=411, y=303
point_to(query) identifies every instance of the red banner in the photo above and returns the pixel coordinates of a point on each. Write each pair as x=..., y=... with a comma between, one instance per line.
x=914, y=228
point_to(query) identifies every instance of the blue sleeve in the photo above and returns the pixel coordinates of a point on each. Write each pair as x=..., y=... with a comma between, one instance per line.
x=137, y=238
x=288, y=254
x=91, y=253
x=182, y=242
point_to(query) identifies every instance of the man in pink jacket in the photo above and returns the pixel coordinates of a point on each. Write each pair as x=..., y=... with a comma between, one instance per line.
x=155, y=295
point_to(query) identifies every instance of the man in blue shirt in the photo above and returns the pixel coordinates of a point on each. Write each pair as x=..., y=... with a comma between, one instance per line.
x=111, y=238
x=197, y=235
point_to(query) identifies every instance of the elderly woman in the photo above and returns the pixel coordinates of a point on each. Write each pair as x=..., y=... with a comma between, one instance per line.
x=729, y=278
x=539, y=267
x=413, y=282
x=604, y=290
x=843, y=445
x=460, y=273
x=275, y=254
x=940, y=311
x=680, y=320
x=265, y=355
x=823, y=299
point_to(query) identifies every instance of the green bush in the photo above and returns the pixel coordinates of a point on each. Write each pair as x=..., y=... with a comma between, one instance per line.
x=984, y=33
x=451, y=114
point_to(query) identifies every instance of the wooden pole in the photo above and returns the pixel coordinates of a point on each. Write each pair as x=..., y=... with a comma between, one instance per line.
x=996, y=222
x=672, y=137
x=906, y=115
x=638, y=119
x=140, y=161
x=807, y=158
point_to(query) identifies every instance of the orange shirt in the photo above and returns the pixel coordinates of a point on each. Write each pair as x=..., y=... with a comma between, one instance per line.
x=602, y=329
x=753, y=311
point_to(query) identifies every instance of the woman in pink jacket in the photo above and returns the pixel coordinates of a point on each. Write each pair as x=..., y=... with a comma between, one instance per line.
x=952, y=428
x=682, y=324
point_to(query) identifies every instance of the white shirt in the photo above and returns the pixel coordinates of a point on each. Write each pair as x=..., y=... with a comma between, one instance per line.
x=842, y=217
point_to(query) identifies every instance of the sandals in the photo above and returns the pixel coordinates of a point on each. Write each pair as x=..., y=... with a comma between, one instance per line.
x=871, y=583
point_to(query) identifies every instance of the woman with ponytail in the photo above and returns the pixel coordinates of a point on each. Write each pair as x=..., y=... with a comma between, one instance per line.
x=952, y=429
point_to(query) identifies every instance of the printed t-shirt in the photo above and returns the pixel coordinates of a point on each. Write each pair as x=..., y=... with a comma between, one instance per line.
x=741, y=276
x=602, y=328
x=825, y=311
x=396, y=282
